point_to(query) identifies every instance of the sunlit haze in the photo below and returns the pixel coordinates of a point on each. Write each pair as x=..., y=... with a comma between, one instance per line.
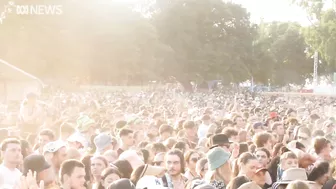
x=274, y=10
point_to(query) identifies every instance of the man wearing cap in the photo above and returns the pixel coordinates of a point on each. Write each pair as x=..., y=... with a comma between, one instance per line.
x=77, y=141
x=37, y=163
x=55, y=153
x=149, y=182
x=260, y=177
x=103, y=143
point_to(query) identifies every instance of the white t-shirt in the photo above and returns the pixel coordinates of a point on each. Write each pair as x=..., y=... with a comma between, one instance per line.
x=9, y=177
x=202, y=131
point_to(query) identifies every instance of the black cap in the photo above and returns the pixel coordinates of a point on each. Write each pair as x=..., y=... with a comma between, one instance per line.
x=219, y=139
x=122, y=184
x=35, y=163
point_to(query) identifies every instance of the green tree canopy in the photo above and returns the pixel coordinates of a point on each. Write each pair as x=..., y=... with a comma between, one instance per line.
x=136, y=41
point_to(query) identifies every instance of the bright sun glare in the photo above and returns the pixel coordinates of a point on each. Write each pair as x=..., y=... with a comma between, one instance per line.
x=274, y=10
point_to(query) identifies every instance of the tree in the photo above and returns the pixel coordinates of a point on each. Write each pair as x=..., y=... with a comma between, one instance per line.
x=280, y=53
x=106, y=40
x=210, y=39
x=320, y=35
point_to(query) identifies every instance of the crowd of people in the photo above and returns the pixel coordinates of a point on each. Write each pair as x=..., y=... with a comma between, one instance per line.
x=169, y=139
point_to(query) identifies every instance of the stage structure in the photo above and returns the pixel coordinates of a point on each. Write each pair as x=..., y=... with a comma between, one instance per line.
x=15, y=83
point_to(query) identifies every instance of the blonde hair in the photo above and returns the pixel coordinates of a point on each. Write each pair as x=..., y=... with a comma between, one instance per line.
x=213, y=175
x=297, y=185
x=333, y=169
x=216, y=174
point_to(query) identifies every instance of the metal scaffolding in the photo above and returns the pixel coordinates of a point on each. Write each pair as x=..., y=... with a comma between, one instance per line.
x=316, y=62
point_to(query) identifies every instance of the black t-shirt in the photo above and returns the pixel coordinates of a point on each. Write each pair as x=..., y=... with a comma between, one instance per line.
x=329, y=184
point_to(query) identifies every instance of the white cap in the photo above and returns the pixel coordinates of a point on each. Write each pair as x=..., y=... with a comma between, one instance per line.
x=149, y=182
x=77, y=137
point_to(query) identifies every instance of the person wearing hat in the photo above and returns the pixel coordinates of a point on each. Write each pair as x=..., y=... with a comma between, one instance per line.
x=290, y=175
x=55, y=153
x=260, y=177
x=149, y=170
x=86, y=127
x=103, y=143
x=200, y=184
x=219, y=173
x=250, y=185
x=220, y=140
x=37, y=163
x=77, y=141
x=287, y=160
x=122, y=184
x=149, y=182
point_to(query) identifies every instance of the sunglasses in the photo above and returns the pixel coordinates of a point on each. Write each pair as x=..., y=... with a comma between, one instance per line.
x=157, y=163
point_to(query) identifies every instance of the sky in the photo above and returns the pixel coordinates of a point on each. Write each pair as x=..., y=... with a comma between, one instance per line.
x=274, y=10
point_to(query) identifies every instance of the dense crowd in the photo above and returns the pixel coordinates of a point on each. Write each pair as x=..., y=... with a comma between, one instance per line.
x=169, y=139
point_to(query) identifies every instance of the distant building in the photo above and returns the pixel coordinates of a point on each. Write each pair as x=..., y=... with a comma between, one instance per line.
x=15, y=83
